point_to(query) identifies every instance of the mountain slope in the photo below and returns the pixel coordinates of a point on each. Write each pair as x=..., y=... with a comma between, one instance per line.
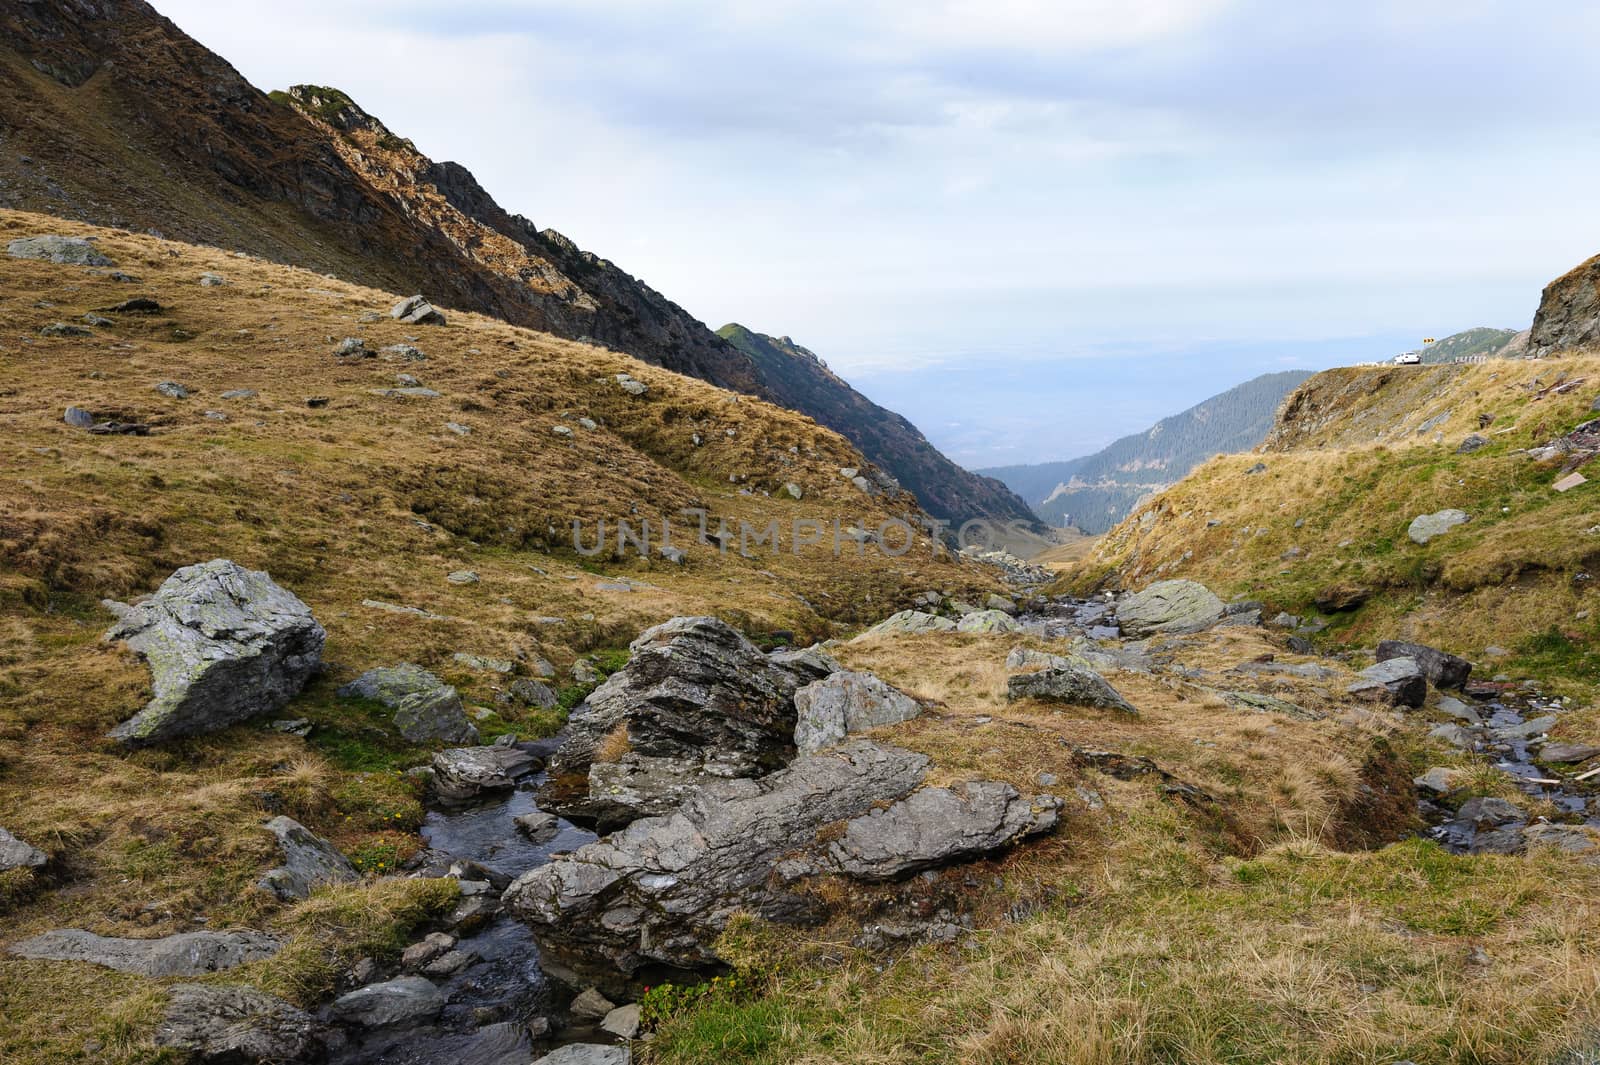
x=110, y=114
x=796, y=378
x=1097, y=491
x=1481, y=340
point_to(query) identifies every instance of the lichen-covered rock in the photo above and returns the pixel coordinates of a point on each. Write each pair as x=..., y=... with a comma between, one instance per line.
x=223, y=643
x=1426, y=527
x=696, y=702
x=184, y=954
x=15, y=854
x=988, y=621
x=427, y=710
x=843, y=703
x=908, y=622
x=806, y=664
x=1169, y=607
x=50, y=248
x=230, y=1025
x=308, y=862
x=1068, y=684
x=936, y=826
x=462, y=773
x=1028, y=660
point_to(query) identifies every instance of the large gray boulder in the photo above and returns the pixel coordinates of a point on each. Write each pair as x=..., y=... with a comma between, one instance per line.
x=696, y=702
x=1026, y=659
x=1168, y=607
x=936, y=826
x=1068, y=684
x=223, y=643
x=586, y=1054
x=416, y=311
x=1425, y=527
x=660, y=891
x=426, y=709
x=184, y=954
x=988, y=621
x=230, y=1025
x=15, y=854
x=309, y=861
x=806, y=664
x=401, y=1002
x=1442, y=669
x=1395, y=682
x=843, y=703
x=73, y=251
x=908, y=623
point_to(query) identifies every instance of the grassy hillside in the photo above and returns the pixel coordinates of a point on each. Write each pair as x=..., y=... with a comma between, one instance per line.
x=1359, y=454
x=358, y=503
x=1097, y=491
x=1480, y=341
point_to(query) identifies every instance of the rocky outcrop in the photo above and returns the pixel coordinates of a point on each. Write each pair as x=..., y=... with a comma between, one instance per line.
x=1168, y=607
x=1568, y=317
x=426, y=709
x=217, y=1024
x=1444, y=671
x=223, y=643
x=1068, y=684
x=845, y=703
x=74, y=251
x=696, y=702
x=184, y=954
x=655, y=895
x=309, y=861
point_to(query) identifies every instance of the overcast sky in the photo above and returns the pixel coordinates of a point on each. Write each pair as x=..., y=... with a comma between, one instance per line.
x=1029, y=225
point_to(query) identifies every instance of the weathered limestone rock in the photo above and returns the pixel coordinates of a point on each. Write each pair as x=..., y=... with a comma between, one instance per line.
x=15, y=854
x=417, y=311
x=308, y=861
x=403, y=1001
x=184, y=954
x=591, y=1005
x=1168, y=607
x=462, y=773
x=223, y=1025
x=50, y=248
x=806, y=664
x=936, y=826
x=622, y=1022
x=696, y=702
x=656, y=894
x=1028, y=660
x=827, y=710
x=1443, y=670
x=1068, y=684
x=988, y=621
x=223, y=644
x=908, y=622
x=586, y=1054
x=1396, y=682
x=1425, y=527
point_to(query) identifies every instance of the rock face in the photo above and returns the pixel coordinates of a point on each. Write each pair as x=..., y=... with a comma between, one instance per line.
x=426, y=709
x=74, y=251
x=1425, y=527
x=908, y=621
x=1396, y=682
x=185, y=954
x=220, y=1025
x=15, y=854
x=1068, y=684
x=936, y=826
x=655, y=895
x=1168, y=607
x=223, y=643
x=308, y=861
x=1445, y=671
x=1569, y=311
x=828, y=710
x=696, y=702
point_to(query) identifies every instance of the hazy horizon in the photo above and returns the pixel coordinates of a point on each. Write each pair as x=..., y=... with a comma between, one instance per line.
x=1030, y=228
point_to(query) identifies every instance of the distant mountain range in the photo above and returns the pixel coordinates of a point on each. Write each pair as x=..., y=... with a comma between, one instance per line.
x=1097, y=491
x=112, y=115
